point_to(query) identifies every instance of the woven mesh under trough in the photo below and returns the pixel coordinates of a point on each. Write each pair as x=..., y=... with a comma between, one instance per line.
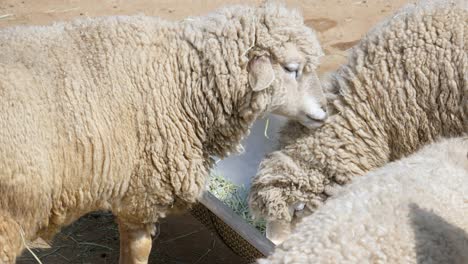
x=233, y=240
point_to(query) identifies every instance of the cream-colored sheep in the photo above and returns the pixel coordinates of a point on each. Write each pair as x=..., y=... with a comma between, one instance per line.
x=125, y=113
x=413, y=210
x=404, y=85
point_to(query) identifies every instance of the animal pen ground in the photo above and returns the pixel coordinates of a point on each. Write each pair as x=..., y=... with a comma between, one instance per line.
x=94, y=238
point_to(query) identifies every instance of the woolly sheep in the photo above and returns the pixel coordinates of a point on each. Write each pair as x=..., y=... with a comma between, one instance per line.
x=409, y=211
x=404, y=85
x=125, y=113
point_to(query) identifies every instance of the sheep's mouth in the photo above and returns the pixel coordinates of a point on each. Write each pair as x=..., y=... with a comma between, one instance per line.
x=311, y=122
x=314, y=119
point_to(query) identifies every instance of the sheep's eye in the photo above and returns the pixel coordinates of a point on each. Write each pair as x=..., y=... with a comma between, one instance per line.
x=292, y=70
x=299, y=206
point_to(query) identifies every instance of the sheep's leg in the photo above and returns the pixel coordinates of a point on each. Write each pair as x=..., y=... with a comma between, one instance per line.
x=135, y=243
x=11, y=244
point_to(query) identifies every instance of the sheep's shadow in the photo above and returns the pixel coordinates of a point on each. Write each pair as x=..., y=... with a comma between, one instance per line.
x=437, y=241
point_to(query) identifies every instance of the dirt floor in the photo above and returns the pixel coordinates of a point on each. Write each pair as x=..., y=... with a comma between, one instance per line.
x=94, y=239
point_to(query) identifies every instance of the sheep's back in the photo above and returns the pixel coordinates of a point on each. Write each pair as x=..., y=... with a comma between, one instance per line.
x=68, y=136
x=411, y=71
x=407, y=211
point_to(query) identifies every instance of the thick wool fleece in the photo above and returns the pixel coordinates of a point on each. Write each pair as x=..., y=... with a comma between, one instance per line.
x=409, y=211
x=124, y=113
x=404, y=85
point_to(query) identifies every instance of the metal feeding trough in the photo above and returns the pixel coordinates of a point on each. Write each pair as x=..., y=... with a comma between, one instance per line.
x=240, y=236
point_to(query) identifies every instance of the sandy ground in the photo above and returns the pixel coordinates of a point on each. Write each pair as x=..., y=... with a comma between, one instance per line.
x=340, y=23
x=94, y=239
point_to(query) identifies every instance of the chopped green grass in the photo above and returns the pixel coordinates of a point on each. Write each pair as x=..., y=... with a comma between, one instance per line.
x=235, y=197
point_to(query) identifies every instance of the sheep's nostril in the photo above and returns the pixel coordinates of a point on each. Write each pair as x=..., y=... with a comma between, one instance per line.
x=325, y=114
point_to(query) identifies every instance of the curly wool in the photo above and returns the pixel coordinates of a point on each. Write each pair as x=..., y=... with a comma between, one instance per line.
x=409, y=211
x=124, y=113
x=404, y=85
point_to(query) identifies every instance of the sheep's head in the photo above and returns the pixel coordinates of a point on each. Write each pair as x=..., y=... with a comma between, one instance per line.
x=284, y=208
x=262, y=59
x=283, y=199
x=283, y=213
x=283, y=61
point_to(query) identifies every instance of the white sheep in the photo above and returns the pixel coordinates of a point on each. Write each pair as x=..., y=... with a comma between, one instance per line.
x=413, y=210
x=125, y=113
x=404, y=85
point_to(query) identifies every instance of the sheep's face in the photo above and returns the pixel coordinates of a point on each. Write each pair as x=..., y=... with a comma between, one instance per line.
x=295, y=87
x=279, y=230
x=282, y=194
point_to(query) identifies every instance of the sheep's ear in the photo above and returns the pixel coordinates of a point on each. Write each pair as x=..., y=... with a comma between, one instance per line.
x=261, y=73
